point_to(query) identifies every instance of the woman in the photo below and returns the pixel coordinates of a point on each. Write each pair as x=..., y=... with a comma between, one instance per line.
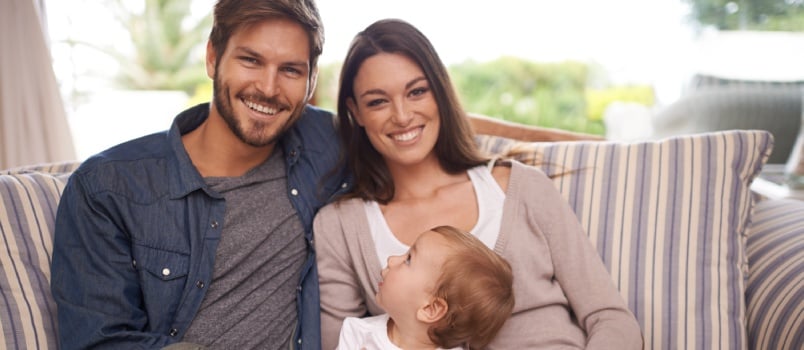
x=416, y=166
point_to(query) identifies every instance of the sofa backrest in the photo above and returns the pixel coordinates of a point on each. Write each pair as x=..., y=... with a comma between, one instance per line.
x=774, y=290
x=669, y=219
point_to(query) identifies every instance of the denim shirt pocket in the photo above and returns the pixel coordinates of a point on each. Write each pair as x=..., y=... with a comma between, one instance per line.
x=163, y=277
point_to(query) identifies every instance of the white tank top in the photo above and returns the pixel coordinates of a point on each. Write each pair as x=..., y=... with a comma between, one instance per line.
x=490, y=198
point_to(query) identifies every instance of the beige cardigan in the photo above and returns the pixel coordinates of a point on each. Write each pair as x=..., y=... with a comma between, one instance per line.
x=556, y=270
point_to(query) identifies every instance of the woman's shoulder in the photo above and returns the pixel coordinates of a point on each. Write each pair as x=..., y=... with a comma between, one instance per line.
x=337, y=211
x=518, y=173
x=501, y=171
x=341, y=206
x=336, y=223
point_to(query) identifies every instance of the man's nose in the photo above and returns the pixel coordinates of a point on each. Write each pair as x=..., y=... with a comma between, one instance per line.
x=268, y=83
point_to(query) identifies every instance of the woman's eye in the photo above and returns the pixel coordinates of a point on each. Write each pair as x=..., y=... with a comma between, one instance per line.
x=373, y=103
x=419, y=91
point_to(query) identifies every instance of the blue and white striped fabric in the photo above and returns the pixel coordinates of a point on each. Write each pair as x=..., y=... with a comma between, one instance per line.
x=775, y=289
x=28, y=203
x=668, y=217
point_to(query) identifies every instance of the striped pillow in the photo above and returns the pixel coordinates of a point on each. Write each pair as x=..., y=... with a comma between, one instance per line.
x=28, y=203
x=668, y=217
x=775, y=289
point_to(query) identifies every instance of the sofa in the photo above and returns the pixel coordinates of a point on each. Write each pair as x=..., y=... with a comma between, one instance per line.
x=701, y=261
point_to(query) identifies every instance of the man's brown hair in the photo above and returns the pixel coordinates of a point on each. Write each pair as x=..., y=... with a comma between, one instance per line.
x=477, y=285
x=233, y=15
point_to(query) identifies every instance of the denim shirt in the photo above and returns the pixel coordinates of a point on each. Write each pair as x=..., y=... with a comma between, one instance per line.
x=137, y=229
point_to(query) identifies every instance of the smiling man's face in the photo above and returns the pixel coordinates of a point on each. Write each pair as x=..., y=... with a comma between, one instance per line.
x=262, y=81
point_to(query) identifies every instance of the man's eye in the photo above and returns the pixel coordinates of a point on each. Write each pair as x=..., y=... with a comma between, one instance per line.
x=247, y=59
x=292, y=70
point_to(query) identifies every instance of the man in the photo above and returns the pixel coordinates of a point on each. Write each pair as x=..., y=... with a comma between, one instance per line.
x=203, y=234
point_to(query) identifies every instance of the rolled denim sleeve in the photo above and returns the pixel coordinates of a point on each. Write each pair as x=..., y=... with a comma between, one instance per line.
x=94, y=278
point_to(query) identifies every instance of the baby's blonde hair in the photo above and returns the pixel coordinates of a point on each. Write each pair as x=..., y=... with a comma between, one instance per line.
x=477, y=285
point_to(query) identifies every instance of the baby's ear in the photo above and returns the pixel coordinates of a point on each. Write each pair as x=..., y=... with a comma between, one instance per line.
x=432, y=311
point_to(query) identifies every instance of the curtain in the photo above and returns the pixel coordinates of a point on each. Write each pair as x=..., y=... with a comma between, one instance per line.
x=33, y=121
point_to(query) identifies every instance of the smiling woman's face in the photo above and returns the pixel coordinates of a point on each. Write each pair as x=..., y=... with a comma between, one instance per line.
x=395, y=105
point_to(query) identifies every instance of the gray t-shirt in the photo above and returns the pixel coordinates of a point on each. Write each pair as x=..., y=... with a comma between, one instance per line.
x=251, y=302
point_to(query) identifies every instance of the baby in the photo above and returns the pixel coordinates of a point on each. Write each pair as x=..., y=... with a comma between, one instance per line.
x=449, y=291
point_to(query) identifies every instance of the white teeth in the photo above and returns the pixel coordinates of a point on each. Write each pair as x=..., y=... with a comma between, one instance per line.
x=260, y=108
x=410, y=135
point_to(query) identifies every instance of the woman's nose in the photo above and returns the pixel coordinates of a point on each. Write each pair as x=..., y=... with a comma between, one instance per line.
x=402, y=115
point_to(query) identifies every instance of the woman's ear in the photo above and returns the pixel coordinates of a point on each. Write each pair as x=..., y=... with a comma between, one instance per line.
x=433, y=311
x=352, y=106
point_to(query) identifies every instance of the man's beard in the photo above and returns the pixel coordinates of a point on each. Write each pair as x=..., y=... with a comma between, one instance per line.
x=256, y=138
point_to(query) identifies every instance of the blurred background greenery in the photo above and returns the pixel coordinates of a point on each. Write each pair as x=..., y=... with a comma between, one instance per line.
x=167, y=43
x=557, y=95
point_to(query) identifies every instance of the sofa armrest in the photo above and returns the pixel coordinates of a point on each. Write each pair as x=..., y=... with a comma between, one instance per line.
x=29, y=198
x=775, y=284
x=485, y=125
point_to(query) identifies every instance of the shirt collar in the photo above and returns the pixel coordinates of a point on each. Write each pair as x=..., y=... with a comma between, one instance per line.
x=183, y=176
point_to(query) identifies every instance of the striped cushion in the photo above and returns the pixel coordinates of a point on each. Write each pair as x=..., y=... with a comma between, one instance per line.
x=28, y=202
x=775, y=289
x=668, y=217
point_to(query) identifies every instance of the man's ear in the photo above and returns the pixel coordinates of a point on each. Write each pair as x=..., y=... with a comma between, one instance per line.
x=313, y=83
x=352, y=107
x=433, y=311
x=211, y=59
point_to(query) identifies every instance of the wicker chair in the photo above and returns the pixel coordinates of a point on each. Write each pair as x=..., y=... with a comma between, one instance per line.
x=715, y=104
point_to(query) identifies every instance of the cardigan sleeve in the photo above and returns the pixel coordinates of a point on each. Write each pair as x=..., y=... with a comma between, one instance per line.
x=584, y=279
x=339, y=285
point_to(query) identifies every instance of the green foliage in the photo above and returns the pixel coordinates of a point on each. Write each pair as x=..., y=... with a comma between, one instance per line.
x=778, y=15
x=167, y=46
x=598, y=99
x=555, y=95
x=202, y=93
x=543, y=94
x=326, y=93
x=793, y=22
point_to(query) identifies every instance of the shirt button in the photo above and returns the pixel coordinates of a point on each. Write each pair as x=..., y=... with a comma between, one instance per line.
x=294, y=192
x=299, y=341
x=293, y=153
x=134, y=263
x=214, y=224
x=344, y=185
x=173, y=332
x=166, y=272
x=298, y=288
x=199, y=284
